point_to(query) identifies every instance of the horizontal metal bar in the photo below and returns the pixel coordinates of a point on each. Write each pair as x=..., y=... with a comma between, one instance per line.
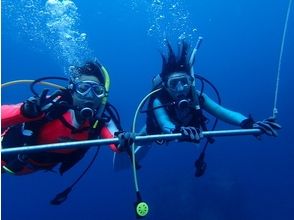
x=138, y=139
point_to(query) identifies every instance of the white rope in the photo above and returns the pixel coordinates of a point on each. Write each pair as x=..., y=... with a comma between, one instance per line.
x=275, y=109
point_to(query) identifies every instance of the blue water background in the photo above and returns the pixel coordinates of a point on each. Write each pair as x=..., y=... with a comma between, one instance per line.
x=245, y=179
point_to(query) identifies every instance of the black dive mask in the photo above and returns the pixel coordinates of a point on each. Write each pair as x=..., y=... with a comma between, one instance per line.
x=178, y=85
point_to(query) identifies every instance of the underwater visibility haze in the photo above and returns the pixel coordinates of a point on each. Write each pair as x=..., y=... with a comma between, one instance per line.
x=246, y=179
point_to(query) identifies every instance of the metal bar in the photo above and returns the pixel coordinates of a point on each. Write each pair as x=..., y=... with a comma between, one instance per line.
x=138, y=139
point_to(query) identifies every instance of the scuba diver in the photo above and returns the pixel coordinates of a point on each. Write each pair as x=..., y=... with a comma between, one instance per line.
x=79, y=112
x=177, y=106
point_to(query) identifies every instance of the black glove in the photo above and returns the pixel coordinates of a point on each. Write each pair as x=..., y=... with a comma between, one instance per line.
x=191, y=134
x=126, y=139
x=267, y=126
x=37, y=105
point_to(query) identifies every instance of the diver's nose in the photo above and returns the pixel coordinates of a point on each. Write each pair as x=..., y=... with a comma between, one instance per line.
x=180, y=87
x=90, y=94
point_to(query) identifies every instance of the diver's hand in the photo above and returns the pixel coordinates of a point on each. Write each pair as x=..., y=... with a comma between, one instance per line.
x=268, y=126
x=37, y=105
x=126, y=139
x=191, y=134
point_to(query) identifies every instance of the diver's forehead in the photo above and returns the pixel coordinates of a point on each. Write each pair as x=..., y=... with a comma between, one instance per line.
x=178, y=74
x=88, y=78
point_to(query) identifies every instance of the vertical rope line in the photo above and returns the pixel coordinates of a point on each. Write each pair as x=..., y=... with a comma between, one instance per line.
x=275, y=109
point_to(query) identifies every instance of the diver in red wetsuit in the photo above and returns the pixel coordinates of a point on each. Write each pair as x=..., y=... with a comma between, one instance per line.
x=79, y=112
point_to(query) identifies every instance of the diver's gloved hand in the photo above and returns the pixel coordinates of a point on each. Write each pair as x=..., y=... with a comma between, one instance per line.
x=191, y=134
x=126, y=139
x=37, y=105
x=268, y=126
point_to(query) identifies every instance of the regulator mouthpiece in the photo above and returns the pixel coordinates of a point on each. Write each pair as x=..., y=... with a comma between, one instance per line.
x=87, y=113
x=184, y=103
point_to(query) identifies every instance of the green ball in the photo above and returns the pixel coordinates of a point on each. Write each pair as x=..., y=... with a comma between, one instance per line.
x=142, y=209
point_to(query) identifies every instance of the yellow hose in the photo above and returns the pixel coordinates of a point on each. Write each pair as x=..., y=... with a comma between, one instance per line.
x=23, y=81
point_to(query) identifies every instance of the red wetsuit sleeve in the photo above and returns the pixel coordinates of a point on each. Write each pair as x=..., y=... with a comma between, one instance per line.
x=11, y=115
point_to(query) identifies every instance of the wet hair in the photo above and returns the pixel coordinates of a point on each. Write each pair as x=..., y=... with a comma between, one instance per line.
x=90, y=68
x=175, y=63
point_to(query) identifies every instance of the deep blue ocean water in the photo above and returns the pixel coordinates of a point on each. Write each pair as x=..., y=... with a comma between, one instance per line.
x=246, y=179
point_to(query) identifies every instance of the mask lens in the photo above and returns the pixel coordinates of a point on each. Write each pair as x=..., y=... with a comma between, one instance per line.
x=182, y=81
x=173, y=84
x=98, y=90
x=84, y=87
